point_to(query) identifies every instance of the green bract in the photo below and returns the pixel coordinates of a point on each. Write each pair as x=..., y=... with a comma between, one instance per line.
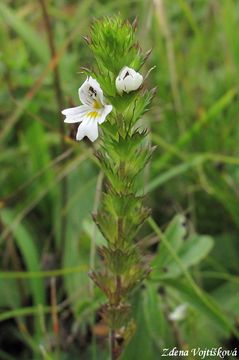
x=113, y=43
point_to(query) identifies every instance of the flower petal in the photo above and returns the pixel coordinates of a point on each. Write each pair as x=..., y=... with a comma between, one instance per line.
x=91, y=113
x=107, y=109
x=124, y=71
x=75, y=114
x=88, y=128
x=179, y=313
x=132, y=83
x=128, y=80
x=90, y=91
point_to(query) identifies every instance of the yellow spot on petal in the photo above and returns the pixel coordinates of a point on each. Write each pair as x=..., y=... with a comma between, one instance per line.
x=93, y=114
x=97, y=105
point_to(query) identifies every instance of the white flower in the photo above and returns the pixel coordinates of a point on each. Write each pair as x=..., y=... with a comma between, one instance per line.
x=128, y=80
x=179, y=313
x=91, y=113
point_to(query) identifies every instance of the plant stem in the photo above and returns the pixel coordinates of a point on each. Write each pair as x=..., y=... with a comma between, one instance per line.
x=115, y=350
x=165, y=28
x=93, y=238
x=118, y=289
x=60, y=104
x=54, y=316
x=113, y=345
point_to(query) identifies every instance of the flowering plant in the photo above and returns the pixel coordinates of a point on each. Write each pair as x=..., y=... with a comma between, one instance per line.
x=114, y=90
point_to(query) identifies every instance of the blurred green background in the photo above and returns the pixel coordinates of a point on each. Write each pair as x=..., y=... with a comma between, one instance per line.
x=50, y=185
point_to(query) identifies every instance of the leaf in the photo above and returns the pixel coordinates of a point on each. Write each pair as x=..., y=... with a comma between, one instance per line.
x=175, y=233
x=39, y=156
x=77, y=249
x=35, y=138
x=153, y=310
x=29, y=251
x=190, y=251
x=139, y=107
x=193, y=251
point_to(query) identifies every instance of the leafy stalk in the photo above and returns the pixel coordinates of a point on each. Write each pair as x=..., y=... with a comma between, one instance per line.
x=123, y=154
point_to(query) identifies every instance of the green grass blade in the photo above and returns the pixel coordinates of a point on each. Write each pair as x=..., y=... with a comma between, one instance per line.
x=209, y=116
x=28, y=34
x=42, y=274
x=25, y=242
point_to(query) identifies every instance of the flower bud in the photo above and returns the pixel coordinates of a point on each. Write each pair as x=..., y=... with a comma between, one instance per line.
x=128, y=80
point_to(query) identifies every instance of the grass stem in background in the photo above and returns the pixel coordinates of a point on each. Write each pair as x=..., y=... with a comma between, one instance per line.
x=60, y=103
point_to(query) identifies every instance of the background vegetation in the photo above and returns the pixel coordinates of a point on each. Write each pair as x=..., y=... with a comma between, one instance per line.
x=50, y=184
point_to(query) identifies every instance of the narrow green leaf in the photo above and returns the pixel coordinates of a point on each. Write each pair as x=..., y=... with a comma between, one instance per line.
x=29, y=251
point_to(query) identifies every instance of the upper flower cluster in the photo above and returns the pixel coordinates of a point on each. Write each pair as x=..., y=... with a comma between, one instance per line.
x=94, y=109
